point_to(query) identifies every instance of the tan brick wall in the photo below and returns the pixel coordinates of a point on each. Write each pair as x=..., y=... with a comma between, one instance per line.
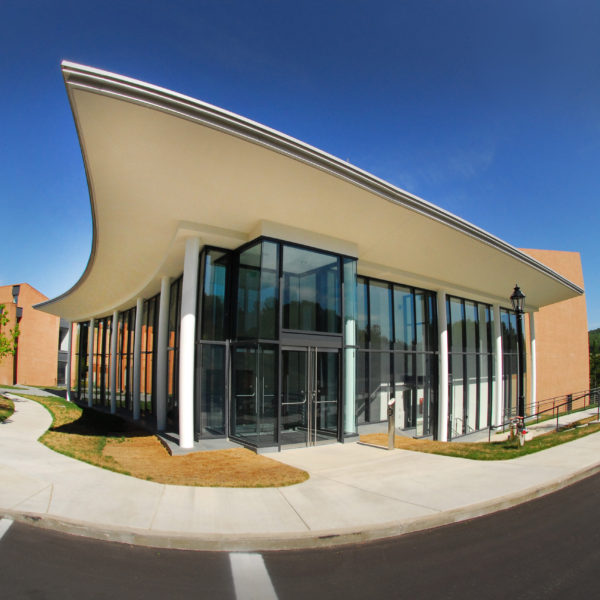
x=38, y=343
x=561, y=333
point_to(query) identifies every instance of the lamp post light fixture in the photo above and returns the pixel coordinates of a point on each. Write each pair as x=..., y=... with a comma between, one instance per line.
x=518, y=300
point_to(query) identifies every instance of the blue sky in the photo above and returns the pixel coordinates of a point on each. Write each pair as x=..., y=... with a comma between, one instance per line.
x=489, y=109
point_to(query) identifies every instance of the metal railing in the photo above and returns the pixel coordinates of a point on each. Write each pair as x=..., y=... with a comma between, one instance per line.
x=554, y=408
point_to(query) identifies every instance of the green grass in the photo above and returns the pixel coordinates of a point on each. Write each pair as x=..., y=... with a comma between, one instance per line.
x=7, y=408
x=490, y=451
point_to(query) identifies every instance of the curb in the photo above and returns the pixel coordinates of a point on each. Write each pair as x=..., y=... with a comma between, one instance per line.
x=294, y=541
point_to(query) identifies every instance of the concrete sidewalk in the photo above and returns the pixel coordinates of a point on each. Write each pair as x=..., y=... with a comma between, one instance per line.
x=355, y=493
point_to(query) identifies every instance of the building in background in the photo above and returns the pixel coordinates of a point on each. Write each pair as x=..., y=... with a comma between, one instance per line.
x=36, y=358
x=244, y=285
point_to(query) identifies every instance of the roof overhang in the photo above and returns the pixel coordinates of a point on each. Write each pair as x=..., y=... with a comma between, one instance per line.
x=162, y=166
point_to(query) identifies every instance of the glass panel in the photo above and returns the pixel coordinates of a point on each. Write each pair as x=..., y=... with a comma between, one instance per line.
x=214, y=283
x=212, y=390
x=294, y=396
x=380, y=386
x=362, y=386
x=404, y=382
x=457, y=395
x=484, y=326
x=421, y=320
x=471, y=416
x=484, y=390
x=363, y=313
x=248, y=294
x=326, y=408
x=404, y=317
x=471, y=326
x=244, y=402
x=380, y=305
x=456, y=315
x=311, y=293
x=254, y=395
x=269, y=290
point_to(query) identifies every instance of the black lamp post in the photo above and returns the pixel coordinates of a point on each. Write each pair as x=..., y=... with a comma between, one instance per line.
x=518, y=299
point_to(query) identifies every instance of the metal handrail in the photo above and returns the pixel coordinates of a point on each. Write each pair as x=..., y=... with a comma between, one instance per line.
x=594, y=392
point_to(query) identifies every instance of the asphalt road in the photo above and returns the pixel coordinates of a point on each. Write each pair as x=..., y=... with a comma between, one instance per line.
x=547, y=548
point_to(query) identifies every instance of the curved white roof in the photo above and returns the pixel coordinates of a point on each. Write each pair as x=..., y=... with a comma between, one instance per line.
x=162, y=166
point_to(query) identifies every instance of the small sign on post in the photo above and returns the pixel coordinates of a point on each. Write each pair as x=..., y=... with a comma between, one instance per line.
x=391, y=423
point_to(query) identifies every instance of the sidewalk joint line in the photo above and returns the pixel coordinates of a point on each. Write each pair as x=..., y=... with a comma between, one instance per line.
x=294, y=509
x=158, y=503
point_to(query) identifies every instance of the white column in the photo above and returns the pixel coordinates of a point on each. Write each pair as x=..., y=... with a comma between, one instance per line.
x=137, y=357
x=533, y=376
x=443, y=397
x=187, y=333
x=68, y=370
x=90, y=362
x=498, y=415
x=161, y=354
x=114, y=338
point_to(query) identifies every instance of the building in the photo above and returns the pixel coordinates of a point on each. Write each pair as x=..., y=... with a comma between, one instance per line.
x=561, y=334
x=245, y=285
x=36, y=356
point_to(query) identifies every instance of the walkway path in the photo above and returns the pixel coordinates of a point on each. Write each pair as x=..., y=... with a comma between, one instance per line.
x=354, y=493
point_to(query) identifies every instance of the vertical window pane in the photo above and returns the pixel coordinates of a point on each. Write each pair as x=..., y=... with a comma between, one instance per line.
x=213, y=297
x=403, y=318
x=363, y=313
x=311, y=294
x=380, y=310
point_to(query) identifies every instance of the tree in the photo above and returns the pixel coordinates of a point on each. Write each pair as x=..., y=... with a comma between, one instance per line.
x=8, y=343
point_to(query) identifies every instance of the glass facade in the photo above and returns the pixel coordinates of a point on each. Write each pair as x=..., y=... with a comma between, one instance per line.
x=101, y=362
x=293, y=347
x=124, y=357
x=470, y=366
x=173, y=352
x=148, y=365
x=510, y=363
x=397, y=355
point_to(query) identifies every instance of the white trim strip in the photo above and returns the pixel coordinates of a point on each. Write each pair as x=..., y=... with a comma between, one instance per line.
x=250, y=577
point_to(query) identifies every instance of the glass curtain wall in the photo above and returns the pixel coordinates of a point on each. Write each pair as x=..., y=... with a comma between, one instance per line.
x=173, y=353
x=397, y=356
x=470, y=365
x=126, y=330
x=101, y=362
x=147, y=359
x=254, y=360
x=211, y=343
x=81, y=362
x=510, y=362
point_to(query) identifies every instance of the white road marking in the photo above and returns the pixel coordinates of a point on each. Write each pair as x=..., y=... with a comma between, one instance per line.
x=250, y=577
x=5, y=526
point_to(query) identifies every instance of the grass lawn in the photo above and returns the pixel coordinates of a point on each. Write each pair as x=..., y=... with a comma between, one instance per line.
x=7, y=408
x=489, y=451
x=112, y=443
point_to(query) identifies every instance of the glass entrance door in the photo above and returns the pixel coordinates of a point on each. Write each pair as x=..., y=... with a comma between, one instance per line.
x=309, y=395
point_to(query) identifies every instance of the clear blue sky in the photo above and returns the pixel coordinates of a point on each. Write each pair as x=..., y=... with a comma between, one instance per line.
x=489, y=109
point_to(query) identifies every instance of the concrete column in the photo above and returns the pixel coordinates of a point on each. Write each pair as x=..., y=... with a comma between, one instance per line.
x=533, y=375
x=137, y=357
x=443, y=397
x=90, y=362
x=114, y=338
x=161, y=354
x=68, y=370
x=187, y=334
x=498, y=415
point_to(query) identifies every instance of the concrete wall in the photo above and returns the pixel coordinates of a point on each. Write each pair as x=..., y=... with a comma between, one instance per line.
x=37, y=358
x=562, y=333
